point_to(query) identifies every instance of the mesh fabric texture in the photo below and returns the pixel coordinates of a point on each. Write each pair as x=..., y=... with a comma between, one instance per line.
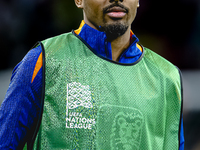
x=93, y=103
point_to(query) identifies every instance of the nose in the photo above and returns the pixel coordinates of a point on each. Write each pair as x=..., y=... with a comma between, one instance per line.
x=115, y=1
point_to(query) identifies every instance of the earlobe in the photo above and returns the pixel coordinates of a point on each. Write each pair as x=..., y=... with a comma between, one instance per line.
x=138, y=5
x=79, y=3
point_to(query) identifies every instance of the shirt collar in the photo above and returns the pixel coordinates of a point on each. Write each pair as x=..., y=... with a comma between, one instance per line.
x=97, y=40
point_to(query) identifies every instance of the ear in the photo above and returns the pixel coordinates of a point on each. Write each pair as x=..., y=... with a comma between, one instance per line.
x=79, y=3
x=138, y=5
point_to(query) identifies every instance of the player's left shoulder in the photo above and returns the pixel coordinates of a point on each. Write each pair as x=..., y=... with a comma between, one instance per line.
x=165, y=66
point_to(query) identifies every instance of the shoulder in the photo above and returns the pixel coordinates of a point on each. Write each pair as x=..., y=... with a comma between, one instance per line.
x=167, y=72
x=26, y=67
x=22, y=101
x=159, y=62
x=59, y=39
x=164, y=69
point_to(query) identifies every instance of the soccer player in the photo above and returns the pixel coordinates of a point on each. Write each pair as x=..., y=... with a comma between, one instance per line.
x=94, y=88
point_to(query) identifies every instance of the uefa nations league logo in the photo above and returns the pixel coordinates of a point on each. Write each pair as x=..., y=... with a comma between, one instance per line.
x=78, y=96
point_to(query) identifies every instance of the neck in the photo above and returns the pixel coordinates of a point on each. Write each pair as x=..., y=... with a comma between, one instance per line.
x=120, y=44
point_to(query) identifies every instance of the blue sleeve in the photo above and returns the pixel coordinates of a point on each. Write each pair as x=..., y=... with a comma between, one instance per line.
x=182, y=140
x=20, y=108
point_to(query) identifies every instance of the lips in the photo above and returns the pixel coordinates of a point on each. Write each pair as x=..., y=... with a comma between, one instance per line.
x=116, y=12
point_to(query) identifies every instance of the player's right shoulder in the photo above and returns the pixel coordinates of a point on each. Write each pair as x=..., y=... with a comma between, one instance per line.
x=27, y=67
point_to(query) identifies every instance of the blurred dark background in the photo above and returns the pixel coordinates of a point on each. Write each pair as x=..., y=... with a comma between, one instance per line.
x=170, y=28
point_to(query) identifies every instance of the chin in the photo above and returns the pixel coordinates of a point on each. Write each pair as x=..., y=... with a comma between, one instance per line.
x=114, y=30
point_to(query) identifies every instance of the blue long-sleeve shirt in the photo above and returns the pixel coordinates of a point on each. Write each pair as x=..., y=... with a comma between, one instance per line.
x=20, y=108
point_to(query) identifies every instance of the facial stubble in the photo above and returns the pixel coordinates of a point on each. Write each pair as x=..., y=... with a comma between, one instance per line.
x=115, y=29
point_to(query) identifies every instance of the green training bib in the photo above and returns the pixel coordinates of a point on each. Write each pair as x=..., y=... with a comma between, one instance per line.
x=93, y=103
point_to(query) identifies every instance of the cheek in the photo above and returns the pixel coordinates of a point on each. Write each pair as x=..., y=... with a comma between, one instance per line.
x=93, y=11
x=133, y=11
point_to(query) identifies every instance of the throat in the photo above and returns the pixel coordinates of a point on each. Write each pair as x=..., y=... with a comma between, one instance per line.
x=119, y=45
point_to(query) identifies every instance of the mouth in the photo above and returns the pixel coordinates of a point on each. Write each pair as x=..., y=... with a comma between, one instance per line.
x=116, y=12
